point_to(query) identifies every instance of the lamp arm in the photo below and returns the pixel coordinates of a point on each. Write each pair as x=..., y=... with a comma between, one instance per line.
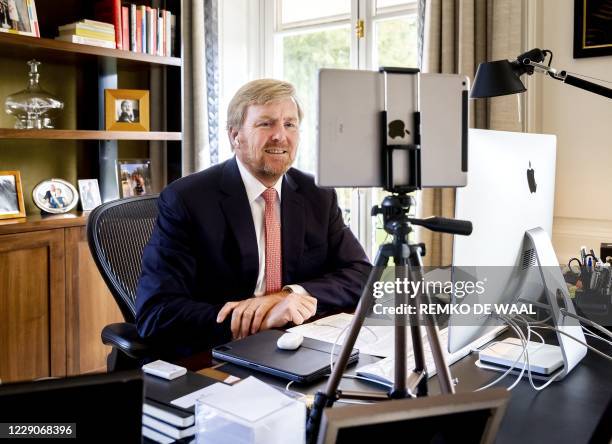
x=584, y=84
x=570, y=80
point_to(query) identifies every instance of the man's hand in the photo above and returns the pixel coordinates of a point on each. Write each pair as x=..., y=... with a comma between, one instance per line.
x=294, y=308
x=247, y=315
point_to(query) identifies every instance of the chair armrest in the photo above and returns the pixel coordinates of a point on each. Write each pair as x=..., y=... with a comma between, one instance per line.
x=124, y=337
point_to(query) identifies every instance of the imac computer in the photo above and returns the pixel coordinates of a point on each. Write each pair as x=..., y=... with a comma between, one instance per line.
x=510, y=199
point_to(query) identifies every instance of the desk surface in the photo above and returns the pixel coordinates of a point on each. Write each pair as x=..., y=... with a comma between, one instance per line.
x=566, y=412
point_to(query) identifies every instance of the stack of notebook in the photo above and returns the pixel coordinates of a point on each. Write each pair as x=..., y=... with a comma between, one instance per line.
x=88, y=32
x=164, y=421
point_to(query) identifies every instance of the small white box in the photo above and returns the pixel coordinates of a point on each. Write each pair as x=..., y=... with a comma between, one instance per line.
x=253, y=414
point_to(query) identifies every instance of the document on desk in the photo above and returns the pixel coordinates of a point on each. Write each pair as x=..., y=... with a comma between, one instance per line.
x=372, y=340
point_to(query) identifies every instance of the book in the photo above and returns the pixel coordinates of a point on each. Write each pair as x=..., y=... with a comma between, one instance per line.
x=125, y=28
x=86, y=41
x=109, y=12
x=99, y=24
x=156, y=436
x=33, y=17
x=143, y=28
x=170, y=33
x=89, y=34
x=138, y=30
x=133, y=18
x=170, y=414
x=167, y=429
x=160, y=35
x=106, y=30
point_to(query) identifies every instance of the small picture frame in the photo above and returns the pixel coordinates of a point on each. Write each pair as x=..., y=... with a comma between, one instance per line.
x=134, y=177
x=55, y=196
x=592, y=28
x=19, y=17
x=11, y=195
x=90, y=194
x=126, y=109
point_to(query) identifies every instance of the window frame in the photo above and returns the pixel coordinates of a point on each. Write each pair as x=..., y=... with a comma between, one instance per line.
x=361, y=57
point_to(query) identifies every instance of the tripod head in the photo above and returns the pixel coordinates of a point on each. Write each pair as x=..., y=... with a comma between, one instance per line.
x=395, y=209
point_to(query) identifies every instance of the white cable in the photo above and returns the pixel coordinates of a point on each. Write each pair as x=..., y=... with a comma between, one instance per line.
x=331, y=355
x=550, y=380
x=507, y=371
x=526, y=363
x=595, y=335
x=577, y=340
x=586, y=321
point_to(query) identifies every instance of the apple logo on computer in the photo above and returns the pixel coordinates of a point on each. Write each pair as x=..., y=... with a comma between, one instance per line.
x=531, y=179
x=397, y=129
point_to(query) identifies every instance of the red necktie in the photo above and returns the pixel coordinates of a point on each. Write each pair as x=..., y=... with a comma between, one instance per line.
x=273, y=243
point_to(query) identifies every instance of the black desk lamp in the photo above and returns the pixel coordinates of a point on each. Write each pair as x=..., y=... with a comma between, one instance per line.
x=501, y=77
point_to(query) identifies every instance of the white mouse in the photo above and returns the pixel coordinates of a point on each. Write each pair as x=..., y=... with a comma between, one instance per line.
x=290, y=341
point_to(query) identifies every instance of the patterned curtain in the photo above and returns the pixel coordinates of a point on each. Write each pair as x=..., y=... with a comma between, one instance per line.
x=201, y=85
x=458, y=35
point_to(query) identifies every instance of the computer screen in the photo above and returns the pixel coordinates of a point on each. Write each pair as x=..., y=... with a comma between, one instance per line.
x=102, y=407
x=511, y=186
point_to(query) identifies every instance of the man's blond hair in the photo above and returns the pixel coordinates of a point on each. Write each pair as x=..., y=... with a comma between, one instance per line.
x=259, y=92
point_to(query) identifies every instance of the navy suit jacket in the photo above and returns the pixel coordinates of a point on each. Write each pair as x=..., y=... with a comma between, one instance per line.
x=203, y=253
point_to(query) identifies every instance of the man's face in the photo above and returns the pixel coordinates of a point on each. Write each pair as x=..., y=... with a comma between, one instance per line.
x=126, y=107
x=267, y=142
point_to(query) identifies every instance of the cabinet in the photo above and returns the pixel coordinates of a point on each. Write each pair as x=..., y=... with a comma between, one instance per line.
x=53, y=301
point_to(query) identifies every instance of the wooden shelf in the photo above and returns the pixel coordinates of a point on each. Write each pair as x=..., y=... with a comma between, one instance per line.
x=58, y=134
x=24, y=46
x=39, y=222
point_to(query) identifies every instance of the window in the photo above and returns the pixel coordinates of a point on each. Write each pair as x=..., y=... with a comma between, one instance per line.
x=300, y=37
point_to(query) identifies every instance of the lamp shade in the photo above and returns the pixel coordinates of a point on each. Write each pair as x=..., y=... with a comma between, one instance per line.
x=496, y=79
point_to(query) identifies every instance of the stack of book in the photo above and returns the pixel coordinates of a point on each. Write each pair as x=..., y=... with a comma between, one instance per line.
x=88, y=32
x=139, y=28
x=162, y=420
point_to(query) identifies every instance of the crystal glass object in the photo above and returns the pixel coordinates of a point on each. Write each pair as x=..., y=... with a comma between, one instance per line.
x=33, y=107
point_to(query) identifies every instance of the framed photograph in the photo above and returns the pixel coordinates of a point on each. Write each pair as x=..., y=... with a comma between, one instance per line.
x=11, y=195
x=90, y=194
x=19, y=17
x=134, y=177
x=126, y=109
x=592, y=28
x=55, y=196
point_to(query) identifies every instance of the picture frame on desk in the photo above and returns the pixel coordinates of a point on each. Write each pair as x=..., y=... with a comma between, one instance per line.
x=19, y=17
x=134, y=177
x=55, y=196
x=592, y=29
x=90, y=194
x=11, y=195
x=126, y=109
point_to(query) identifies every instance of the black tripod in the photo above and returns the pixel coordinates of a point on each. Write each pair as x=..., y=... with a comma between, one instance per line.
x=408, y=265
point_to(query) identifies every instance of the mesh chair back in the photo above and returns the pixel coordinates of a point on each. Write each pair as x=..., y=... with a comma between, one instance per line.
x=117, y=233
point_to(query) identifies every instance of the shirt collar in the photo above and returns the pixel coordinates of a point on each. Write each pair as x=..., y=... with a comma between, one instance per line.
x=253, y=186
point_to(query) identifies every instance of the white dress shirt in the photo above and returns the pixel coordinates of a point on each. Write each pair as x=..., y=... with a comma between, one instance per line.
x=254, y=188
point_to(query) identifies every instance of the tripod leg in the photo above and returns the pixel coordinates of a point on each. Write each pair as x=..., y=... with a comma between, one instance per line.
x=443, y=372
x=399, y=381
x=327, y=398
x=417, y=342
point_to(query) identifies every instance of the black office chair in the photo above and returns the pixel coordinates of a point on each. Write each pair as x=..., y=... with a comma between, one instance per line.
x=117, y=233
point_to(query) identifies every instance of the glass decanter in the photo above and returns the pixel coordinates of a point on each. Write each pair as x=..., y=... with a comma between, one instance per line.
x=33, y=107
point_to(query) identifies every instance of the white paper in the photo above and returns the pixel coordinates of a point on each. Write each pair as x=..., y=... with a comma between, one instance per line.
x=372, y=340
x=241, y=398
x=190, y=399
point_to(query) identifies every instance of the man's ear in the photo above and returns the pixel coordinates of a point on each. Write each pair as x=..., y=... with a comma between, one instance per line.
x=233, y=138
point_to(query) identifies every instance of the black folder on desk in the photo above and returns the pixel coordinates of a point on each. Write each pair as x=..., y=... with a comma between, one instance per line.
x=259, y=352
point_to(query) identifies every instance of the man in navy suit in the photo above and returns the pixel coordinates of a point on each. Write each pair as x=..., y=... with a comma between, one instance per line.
x=248, y=244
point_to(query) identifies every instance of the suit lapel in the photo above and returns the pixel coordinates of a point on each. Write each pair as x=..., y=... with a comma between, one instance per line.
x=237, y=211
x=292, y=227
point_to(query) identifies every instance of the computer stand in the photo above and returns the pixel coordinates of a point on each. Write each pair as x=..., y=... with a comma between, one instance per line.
x=542, y=275
x=408, y=264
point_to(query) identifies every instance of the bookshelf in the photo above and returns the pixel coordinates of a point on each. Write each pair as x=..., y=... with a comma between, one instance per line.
x=55, y=301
